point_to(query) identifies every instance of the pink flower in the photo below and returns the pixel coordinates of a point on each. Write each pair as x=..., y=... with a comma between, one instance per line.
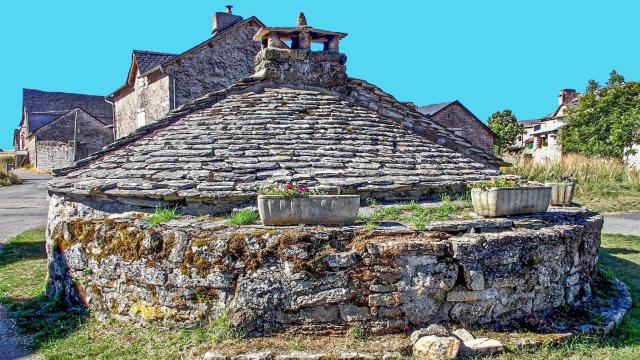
x=288, y=186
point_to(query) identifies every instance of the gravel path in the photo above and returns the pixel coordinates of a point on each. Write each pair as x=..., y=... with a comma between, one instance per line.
x=22, y=207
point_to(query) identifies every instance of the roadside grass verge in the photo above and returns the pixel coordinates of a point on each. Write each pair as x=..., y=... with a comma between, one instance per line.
x=64, y=334
x=9, y=178
x=603, y=184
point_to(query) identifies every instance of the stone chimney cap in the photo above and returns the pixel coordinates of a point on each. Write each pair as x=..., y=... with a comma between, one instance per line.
x=285, y=33
x=229, y=7
x=302, y=20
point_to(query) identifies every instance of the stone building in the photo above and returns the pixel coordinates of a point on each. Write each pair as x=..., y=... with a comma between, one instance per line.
x=159, y=82
x=58, y=129
x=300, y=117
x=457, y=118
x=540, y=141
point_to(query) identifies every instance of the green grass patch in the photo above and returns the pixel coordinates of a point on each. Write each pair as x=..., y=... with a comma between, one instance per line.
x=416, y=215
x=162, y=215
x=244, y=217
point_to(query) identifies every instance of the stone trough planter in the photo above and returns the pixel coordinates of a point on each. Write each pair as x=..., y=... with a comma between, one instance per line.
x=310, y=210
x=561, y=193
x=510, y=201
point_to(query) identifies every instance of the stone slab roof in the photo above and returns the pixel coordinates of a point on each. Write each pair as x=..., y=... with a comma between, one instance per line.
x=434, y=108
x=231, y=143
x=45, y=106
x=147, y=60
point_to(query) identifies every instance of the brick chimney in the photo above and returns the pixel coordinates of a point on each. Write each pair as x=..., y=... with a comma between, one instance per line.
x=222, y=20
x=566, y=95
x=287, y=57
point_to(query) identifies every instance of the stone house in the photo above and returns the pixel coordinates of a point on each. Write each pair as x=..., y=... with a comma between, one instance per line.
x=457, y=118
x=540, y=141
x=58, y=129
x=298, y=117
x=159, y=82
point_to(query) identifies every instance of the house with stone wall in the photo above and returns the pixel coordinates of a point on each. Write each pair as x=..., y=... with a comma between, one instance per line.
x=299, y=116
x=160, y=82
x=541, y=139
x=459, y=119
x=58, y=128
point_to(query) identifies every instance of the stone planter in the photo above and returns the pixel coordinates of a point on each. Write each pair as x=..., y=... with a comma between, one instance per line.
x=561, y=193
x=310, y=210
x=510, y=201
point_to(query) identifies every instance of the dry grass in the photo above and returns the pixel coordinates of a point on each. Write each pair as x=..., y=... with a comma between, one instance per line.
x=603, y=184
x=9, y=178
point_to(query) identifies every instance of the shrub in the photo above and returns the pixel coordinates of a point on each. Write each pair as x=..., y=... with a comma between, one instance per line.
x=9, y=178
x=290, y=189
x=244, y=217
x=163, y=214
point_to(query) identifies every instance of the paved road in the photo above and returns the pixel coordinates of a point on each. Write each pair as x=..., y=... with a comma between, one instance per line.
x=22, y=207
x=622, y=223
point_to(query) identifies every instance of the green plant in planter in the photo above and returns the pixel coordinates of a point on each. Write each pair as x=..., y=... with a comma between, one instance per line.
x=499, y=183
x=290, y=189
x=244, y=217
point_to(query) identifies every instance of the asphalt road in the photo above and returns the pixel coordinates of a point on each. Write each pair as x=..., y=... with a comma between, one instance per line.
x=22, y=207
x=627, y=223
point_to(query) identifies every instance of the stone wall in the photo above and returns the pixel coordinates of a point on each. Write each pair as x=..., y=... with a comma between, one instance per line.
x=154, y=97
x=456, y=117
x=216, y=67
x=126, y=112
x=54, y=154
x=187, y=271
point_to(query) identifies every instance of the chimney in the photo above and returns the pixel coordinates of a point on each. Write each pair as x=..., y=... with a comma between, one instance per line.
x=566, y=95
x=287, y=57
x=222, y=20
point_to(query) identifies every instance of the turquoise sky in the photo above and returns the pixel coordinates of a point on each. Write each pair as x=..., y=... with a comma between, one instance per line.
x=488, y=54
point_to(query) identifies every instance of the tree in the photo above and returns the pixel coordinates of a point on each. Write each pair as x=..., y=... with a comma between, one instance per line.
x=505, y=125
x=606, y=120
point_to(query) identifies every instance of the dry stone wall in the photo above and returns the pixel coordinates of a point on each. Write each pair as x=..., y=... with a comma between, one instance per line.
x=185, y=272
x=53, y=154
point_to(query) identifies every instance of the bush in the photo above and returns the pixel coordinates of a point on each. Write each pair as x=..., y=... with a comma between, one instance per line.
x=9, y=178
x=244, y=217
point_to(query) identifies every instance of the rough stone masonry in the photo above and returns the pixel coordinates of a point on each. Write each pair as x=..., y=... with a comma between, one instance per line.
x=186, y=272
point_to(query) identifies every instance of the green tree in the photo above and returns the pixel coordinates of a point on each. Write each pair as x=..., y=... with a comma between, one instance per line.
x=505, y=125
x=606, y=120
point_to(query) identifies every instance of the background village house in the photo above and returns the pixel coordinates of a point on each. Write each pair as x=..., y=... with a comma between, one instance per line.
x=540, y=141
x=457, y=118
x=58, y=128
x=159, y=82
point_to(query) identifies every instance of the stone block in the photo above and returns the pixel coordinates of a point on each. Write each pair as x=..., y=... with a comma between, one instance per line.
x=433, y=329
x=461, y=295
x=481, y=347
x=434, y=347
x=463, y=335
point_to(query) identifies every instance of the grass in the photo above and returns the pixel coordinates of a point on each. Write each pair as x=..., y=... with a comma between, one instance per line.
x=244, y=217
x=9, y=178
x=76, y=335
x=603, y=185
x=162, y=215
x=416, y=215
